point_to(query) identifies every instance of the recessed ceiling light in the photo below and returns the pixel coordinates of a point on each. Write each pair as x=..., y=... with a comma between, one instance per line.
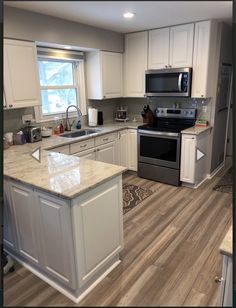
x=67, y=47
x=128, y=15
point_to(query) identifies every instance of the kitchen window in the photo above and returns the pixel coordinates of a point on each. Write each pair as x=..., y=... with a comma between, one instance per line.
x=61, y=76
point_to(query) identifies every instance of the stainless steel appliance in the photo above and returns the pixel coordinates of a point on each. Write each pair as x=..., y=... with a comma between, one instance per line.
x=121, y=114
x=159, y=144
x=32, y=133
x=168, y=82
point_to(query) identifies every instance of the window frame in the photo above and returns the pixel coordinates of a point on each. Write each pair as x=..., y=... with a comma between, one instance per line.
x=78, y=84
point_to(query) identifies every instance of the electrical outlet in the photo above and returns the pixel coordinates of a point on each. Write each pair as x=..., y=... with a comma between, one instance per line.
x=27, y=117
x=204, y=108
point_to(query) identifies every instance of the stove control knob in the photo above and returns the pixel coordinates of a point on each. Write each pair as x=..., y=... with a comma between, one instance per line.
x=162, y=111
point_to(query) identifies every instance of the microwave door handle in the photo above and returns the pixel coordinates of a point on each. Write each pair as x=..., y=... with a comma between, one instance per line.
x=180, y=82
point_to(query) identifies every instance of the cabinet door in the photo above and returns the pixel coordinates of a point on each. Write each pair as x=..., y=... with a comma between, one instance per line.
x=106, y=153
x=9, y=234
x=201, y=58
x=135, y=63
x=181, y=45
x=56, y=238
x=188, y=157
x=21, y=79
x=158, y=55
x=98, y=227
x=26, y=222
x=112, y=74
x=89, y=154
x=132, y=150
x=123, y=148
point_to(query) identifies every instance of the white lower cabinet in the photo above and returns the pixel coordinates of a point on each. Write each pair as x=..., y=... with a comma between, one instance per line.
x=26, y=221
x=89, y=154
x=226, y=287
x=69, y=243
x=132, y=150
x=123, y=148
x=9, y=232
x=106, y=153
x=194, y=155
x=56, y=238
x=97, y=239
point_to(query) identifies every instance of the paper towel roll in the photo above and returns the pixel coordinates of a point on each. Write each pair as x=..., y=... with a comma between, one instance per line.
x=92, y=116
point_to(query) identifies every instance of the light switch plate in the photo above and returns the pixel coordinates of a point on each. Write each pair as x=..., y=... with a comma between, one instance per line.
x=27, y=117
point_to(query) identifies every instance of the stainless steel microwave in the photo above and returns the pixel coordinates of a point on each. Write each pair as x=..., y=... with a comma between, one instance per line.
x=168, y=82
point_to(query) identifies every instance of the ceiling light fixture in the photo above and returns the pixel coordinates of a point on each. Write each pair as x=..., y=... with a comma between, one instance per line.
x=128, y=15
x=67, y=47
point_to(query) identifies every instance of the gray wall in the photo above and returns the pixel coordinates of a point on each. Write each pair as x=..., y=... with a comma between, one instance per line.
x=26, y=25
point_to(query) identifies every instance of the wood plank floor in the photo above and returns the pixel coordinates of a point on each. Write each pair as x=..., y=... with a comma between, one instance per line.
x=170, y=256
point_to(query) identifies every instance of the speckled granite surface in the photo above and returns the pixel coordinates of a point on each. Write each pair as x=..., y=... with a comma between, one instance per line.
x=62, y=175
x=195, y=130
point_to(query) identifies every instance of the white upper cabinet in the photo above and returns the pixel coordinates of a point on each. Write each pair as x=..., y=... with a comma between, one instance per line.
x=181, y=46
x=171, y=47
x=158, y=55
x=204, y=39
x=135, y=62
x=104, y=75
x=21, y=78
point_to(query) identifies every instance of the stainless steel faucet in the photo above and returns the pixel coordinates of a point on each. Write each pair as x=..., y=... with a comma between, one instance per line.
x=68, y=124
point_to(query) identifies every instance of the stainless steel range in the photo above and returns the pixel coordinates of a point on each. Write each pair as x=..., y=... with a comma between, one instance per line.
x=159, y=144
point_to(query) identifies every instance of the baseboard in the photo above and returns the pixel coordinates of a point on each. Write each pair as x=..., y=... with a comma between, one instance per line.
x=70, y=295
x=210, y=176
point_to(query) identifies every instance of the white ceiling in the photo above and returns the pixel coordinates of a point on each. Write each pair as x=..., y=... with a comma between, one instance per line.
x=149, y=14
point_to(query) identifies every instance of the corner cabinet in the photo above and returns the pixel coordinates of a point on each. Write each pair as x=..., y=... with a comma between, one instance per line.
x=194, y=155
x=104, y=74
x=171, y=47
x=21, y=77
x=135, y=63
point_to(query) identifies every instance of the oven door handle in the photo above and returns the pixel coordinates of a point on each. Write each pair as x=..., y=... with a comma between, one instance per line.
x=180, y=82
x=167, y=134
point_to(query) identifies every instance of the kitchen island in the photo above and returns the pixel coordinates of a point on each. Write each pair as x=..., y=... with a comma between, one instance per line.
x=63, y=217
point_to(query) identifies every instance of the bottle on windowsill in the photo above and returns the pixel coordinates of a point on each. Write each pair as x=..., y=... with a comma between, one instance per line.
x=62, y=129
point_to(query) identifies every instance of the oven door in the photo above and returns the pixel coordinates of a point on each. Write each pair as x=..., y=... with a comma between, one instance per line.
x=159, y=148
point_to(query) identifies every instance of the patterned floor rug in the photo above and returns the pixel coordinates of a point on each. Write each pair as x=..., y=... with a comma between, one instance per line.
x=226, y=182
x=133, y=195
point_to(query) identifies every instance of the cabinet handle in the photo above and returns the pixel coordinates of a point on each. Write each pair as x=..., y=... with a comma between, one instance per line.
x=219, y=280
x=105, y=139
x=97, y=150
x=83, y=146
x=169, y=66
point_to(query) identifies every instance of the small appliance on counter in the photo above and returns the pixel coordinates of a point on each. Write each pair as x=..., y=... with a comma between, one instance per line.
x=147, y=114
x=32, y=133
x=121, y=114
x=92, y=116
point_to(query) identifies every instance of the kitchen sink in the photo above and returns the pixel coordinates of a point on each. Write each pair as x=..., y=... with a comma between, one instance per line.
x=80, y=133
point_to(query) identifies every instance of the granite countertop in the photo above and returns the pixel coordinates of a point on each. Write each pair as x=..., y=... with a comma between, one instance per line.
x=60, y=174
x=226, y=245
x=195, y=130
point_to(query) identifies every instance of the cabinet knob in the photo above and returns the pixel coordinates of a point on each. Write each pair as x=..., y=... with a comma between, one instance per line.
x=10, y=106
x=169, y=65
x=219, y=280
x=104, y=96
x=166, y=66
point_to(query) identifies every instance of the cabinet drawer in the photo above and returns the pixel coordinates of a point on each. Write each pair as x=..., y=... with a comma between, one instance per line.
x=64, y=149
x=105, y=139
x=81, y=146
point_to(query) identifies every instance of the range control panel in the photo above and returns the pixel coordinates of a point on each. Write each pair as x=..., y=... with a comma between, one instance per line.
x=189, y=113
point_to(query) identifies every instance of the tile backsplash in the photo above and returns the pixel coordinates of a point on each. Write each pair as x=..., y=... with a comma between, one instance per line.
x=134, y=106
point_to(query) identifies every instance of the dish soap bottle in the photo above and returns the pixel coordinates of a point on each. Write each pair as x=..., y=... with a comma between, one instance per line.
x=62, y=129
x=78, y=125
